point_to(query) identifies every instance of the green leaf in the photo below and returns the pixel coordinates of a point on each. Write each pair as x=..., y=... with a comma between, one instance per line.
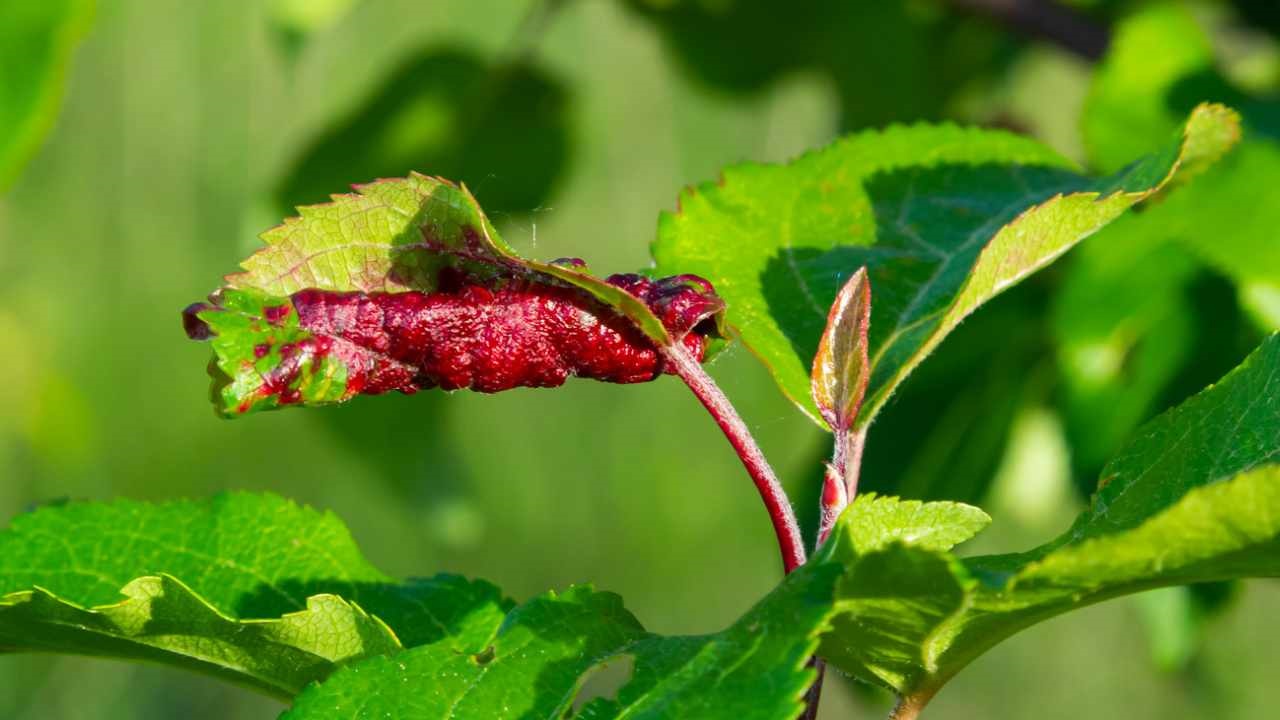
x=1232, y=427
x=756, y=668
x=37, y=40
x=1190, y=500
x=875, y=522
x=247, y=587
x=944, y=218
x=253, y=334
x=540, y=657
x=163, y=620
x=528, y=667
x=396, y=235
x=942, y=439
x=1117, y=358
x=1160, y=63
x=389, y=236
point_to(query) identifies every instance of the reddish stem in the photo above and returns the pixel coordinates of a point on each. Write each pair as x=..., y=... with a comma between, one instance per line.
x=839, y=488
x=840, y=484
x=775, y=498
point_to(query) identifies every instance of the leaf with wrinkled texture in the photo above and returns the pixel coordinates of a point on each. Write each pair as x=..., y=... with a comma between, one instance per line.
x=163, y=620
x=248, y=587
x=396, y=235
x=944, y=218
x=876, y=522
x=419, y=234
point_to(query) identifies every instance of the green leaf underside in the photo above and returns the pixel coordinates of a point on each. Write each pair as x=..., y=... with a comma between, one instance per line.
x=542, y=653
x=943, y=217
x=163, y=620
x=37, y=40
x=1192, y=499
x=198, y=579
x=396, y=235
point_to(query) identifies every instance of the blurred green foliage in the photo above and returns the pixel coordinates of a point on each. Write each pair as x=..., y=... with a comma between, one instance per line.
x=449, y=111
x=185, y=127
x=36, y=43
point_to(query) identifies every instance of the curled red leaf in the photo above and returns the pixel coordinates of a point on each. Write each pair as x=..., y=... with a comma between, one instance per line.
x=319, y=346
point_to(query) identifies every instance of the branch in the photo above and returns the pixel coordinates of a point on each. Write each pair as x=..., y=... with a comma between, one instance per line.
x=814, y=696
x=775, y=498
x=1045, y=20
x=909, y=706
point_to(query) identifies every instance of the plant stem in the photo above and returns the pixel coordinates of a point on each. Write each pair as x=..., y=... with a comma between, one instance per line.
x=840, y=484
x=839, y=488
x=814, y=696
x=775, y=498
x=909, y=706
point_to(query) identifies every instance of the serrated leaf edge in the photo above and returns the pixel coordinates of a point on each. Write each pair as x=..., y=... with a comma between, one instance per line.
x=138, y=594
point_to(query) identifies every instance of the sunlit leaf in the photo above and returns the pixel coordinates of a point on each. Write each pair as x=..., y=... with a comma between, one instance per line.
x=944, y=218
x=351, y=260
x=1192, y=499
x=841, y=369
x=251, y=588
x=539, y=658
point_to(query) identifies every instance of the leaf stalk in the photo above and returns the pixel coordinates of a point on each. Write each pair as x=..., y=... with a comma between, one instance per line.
x=781, y=514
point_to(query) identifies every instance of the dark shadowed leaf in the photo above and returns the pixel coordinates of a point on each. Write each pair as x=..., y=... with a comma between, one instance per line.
x=923, y=57
x=501, y=128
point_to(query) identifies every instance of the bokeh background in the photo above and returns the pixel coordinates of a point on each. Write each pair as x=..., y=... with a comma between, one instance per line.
x=185, y=128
